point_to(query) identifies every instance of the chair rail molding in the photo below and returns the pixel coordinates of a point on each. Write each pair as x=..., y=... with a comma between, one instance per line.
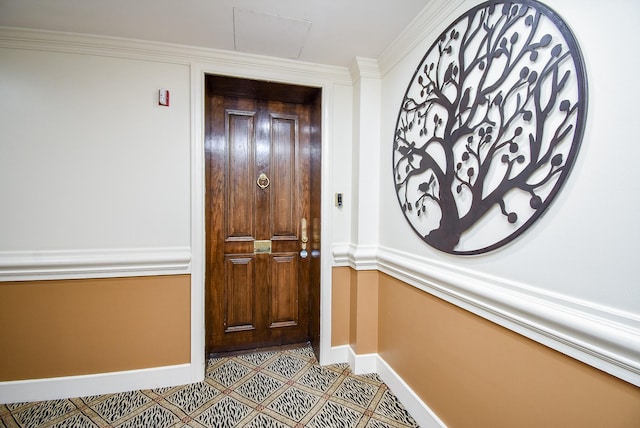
x=359, y=257
x=101, y=263
x=602, y=337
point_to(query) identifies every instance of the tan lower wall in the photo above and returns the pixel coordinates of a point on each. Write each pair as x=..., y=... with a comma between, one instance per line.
x=86, y=326
x=365, y=325
x=354, y=309
x=340, y=305
x=474, y=373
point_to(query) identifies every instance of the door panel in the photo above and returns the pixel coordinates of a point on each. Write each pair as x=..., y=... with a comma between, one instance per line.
x=284, y=291
x=257, y=296
x=239, y=173
x=239, y=297
x=284, y=168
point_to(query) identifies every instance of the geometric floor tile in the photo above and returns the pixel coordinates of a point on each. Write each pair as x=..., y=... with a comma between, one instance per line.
x=119, y=405
x=268, y=389
x=37, y=415
x=228, y=373
x=225, y=413
x=356, y=392
x=335, y=415
x=392, y=408
x=193, y=396
x=155, y=416
x=294, y=403
x=259, y=387
x=287, y=366
x=264, y=421
x=318, y=377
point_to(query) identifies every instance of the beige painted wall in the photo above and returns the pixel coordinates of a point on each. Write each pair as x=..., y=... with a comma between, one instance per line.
x=340, y=305
x=86, y=326
x=361, y=292
x=474, y=373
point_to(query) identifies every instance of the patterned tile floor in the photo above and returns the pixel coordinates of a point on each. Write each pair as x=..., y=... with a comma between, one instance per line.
x=267, y=389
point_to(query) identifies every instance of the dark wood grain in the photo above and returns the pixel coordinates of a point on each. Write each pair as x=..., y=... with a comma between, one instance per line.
x=258, y=300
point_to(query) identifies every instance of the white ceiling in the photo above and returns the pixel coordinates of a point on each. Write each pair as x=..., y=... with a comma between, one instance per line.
x=321, y=31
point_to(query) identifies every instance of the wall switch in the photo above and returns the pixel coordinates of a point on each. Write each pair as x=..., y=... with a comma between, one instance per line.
x=163, y=97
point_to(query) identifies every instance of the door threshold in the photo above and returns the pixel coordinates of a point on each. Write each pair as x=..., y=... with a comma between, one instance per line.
x=256, y=350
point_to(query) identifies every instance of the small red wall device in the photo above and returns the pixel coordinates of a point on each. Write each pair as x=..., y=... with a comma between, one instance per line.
x=163, y=97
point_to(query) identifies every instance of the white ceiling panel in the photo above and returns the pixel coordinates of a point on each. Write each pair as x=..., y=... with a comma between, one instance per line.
x=267, y=34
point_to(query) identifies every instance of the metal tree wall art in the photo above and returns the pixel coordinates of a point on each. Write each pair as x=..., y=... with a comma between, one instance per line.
x=489, y=126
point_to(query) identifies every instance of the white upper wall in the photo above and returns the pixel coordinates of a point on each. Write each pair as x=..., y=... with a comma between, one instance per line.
x=88, y=160
x=341, y=163
x=583, y=247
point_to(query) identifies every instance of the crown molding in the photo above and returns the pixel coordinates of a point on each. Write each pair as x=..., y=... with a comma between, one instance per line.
x=31, y=39
x=364, y=68
x=435, y=15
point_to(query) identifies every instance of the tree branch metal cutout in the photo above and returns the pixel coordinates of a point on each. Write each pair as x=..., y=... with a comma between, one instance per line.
x=490, y=126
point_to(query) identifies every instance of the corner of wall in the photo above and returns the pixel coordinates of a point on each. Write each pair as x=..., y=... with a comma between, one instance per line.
x=355, y=309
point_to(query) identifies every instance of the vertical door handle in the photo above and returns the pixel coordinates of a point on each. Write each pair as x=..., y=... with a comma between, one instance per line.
x=304, y=237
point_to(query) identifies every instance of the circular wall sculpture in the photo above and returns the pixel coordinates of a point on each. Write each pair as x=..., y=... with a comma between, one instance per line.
x=489, y=126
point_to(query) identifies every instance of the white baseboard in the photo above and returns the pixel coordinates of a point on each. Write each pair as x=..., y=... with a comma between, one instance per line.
x=339, y=354
x=373, y=363
x=95, y=384
x=424, y=416
x=363, y=363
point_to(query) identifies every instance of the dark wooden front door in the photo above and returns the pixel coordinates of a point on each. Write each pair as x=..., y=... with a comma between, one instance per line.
x=259, y=222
